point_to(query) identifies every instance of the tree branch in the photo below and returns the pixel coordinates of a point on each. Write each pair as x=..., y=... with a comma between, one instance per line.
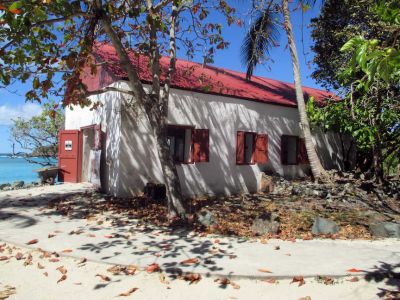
x=172, y=57
x=134, y=79
x=109, y=89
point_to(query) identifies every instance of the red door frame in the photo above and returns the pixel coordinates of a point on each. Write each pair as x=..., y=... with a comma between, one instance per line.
x=97, y=128
x=75, y=165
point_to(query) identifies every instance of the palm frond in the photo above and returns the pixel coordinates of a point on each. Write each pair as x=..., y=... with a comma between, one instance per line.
x=261, y=37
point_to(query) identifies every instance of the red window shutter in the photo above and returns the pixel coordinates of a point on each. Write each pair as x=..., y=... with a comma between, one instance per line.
x=261, y=149
x=302, y=156
x=240, y=147
x=284, y=150
x=201, y=145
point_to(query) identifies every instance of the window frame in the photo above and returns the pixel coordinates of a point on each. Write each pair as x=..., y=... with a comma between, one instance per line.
x=184, y=127
x=297, y=150
x=252, y=161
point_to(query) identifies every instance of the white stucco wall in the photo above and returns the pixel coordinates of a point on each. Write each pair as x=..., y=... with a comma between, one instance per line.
x=108, y=115
x=133, y=161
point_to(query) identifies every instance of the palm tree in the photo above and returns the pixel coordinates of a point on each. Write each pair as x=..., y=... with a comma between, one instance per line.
x=263, y=35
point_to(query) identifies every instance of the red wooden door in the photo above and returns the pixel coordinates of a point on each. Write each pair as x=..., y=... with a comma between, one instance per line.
x=69, y=155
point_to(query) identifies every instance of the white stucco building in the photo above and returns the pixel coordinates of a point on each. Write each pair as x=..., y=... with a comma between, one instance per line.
x=224, y=131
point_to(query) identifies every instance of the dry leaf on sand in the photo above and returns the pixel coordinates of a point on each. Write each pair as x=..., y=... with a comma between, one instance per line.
x=128, y=292
x=190, y=261
x=63, y=277
x=104, y=277
x=299, y=279
x=31, y=242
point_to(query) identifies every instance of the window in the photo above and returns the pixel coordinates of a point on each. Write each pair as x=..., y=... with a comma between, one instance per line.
x=188, y=145
x=200, y=145
x=251, y=148
x=293, y=150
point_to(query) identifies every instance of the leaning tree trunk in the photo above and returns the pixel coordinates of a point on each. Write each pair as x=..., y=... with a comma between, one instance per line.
x=317, y=169
x=171, y=178
x=155, y=116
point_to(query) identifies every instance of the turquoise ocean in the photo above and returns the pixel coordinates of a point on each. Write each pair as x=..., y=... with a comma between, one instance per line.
x=17, y=168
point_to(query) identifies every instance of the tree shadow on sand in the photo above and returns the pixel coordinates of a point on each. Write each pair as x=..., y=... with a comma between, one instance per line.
x=390, y=275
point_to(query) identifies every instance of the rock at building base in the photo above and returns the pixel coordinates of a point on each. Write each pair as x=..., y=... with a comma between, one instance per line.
x=324, y=226
x=206, y=218
x=266, y=184
x=385, y=229
x=267, y=223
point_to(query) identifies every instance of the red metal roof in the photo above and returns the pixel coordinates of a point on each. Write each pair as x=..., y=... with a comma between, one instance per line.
x=207, y=79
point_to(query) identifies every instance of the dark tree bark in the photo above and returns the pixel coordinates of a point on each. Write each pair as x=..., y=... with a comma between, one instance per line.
x=155, y=105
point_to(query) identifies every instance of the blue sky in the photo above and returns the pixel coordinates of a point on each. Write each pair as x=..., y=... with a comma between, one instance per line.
x=13, y=105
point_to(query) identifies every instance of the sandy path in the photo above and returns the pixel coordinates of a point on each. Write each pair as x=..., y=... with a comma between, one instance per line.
x=82, y=283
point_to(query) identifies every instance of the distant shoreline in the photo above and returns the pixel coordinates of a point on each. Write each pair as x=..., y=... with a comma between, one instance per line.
x=20, y=155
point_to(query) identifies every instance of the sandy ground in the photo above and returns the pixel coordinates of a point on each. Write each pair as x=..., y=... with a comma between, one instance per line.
x=29, y=273
x=38, y=280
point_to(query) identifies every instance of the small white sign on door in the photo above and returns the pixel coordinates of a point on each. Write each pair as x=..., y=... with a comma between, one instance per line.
x=68, y=145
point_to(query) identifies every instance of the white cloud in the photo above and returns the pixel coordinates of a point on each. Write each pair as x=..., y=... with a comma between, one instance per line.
x=25, y=111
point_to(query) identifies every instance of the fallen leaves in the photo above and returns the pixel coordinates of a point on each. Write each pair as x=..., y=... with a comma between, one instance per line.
x=77, y=232
x=63, y=277
x=103, y=277
x=270, y=280
x=82, y=261
x=44, y=254
x=54, y=260
x=128, y=292
x=326, y=280
x=191, y=277
x=130, y=270
x=329, y=281
x=235, y=285
x=28, y=260
x=40, y=266
x=127, y=270
x=299, y=279
x=224, y=281
x=51, y=235
x=354, y=279
x=354, y=270
x=67, y=251
x=2, y=258
x=19, y=256
x=153, y=268
x=190, y=261
x=9, y=290
x=264, y=270
x=163, y=278
x=115, y=270
x=62, y=270
x=31, y=242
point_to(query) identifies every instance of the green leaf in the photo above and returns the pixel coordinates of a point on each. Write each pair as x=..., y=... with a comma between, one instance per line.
x=15, y=5
x=352, y=43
